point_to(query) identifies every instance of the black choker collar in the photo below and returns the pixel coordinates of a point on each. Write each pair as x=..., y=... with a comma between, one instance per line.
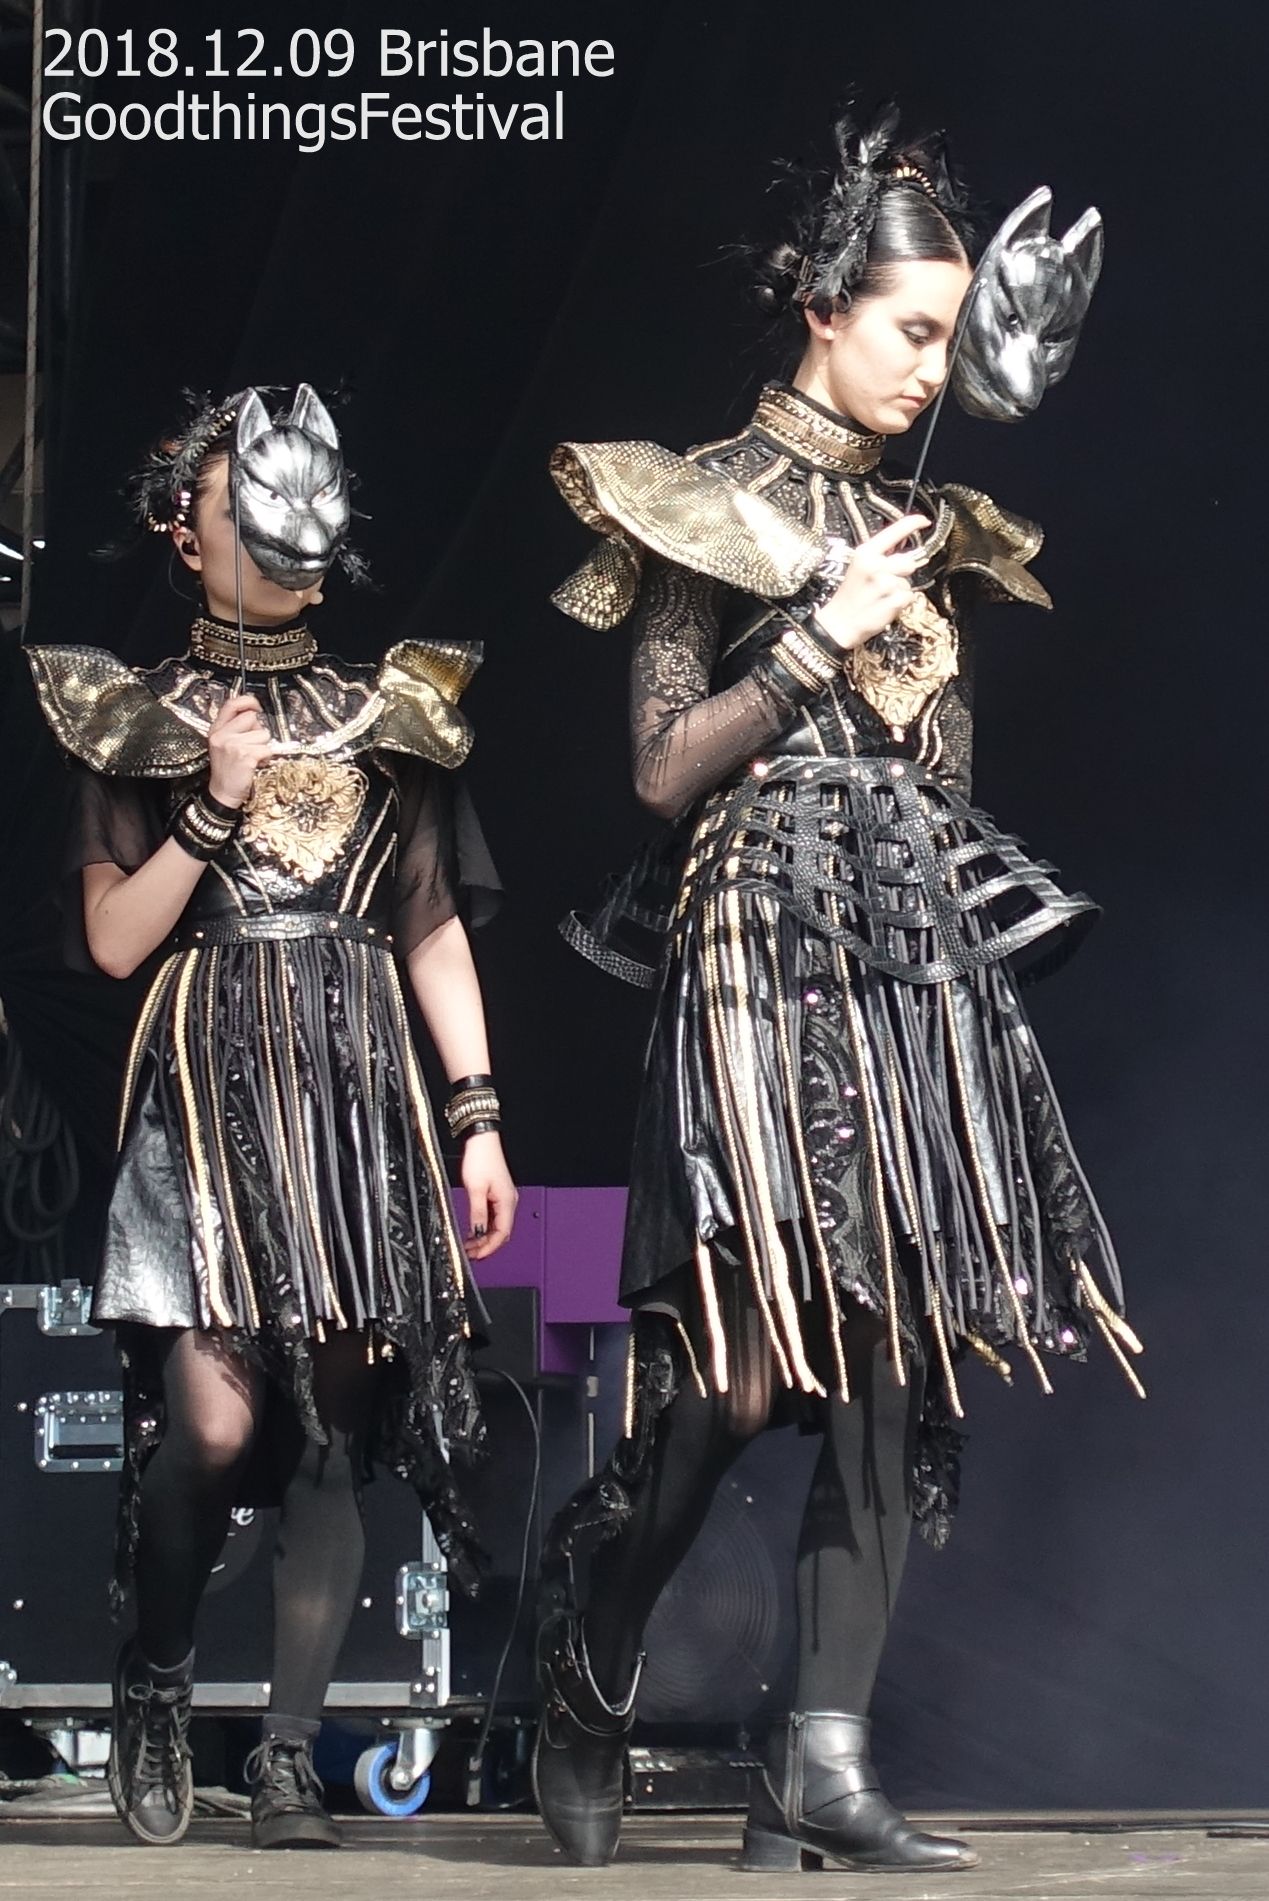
x=269, y=650
x=807, y=430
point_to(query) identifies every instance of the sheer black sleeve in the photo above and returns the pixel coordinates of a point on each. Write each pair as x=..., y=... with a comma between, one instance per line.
x=444, y=868
x=110, y=822
x=685, y=740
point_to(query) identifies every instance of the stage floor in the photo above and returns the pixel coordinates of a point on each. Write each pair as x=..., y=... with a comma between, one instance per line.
x=663, y=1858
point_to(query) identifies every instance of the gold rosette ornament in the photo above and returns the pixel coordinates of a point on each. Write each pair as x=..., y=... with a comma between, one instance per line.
x=302, y=811
x=900, y=670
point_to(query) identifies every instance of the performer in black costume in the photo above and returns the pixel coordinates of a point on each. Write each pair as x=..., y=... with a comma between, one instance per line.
x=282, y=1268
x=850, y=1167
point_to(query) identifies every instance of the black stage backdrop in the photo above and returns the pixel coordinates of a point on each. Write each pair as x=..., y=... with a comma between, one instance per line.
x=1096, y=1633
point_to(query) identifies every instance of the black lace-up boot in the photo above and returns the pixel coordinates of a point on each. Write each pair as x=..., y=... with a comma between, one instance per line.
x=817, y=1799
x=286, y=1791
x=579, y=1757
x=151, y=1782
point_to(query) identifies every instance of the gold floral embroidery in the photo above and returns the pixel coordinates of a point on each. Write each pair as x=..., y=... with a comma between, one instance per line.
x=899, y=671
x=302, y=811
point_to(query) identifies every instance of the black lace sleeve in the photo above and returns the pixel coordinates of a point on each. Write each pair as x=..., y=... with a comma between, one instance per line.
x=955, y=721
x=685, y=739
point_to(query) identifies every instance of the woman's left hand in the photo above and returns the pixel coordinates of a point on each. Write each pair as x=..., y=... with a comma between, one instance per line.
x=491, y=1195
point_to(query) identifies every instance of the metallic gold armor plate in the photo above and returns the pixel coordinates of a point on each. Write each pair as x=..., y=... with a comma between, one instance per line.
x=641, y=496
x=131, y=724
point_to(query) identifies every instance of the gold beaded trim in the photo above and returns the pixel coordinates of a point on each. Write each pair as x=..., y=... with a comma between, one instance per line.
x=810, y=667
x=183, y=497
x=906, y=173
x=207, y=826
x=812, y=434
x=266, y=653
x=200, y=831
x=472, y=1105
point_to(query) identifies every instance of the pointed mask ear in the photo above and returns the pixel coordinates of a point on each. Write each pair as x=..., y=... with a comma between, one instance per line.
x=1085, y=244
x=1030, y=219
x=253, y=422
x=310, y=413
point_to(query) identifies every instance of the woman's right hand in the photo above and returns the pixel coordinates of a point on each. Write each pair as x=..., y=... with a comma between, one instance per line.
x=875, y=589
x=237, y=744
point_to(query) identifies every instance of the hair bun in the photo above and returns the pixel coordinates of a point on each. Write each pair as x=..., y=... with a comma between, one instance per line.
x=777, y=277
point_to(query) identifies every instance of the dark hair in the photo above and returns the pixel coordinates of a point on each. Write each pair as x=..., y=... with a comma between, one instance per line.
x=882, y=205
x=218, y=448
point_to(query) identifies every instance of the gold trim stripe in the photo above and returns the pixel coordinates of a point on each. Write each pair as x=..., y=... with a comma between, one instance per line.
x=305, y=1160
x=423, y=1120
x=154, y=1000
x=713, y=1317
x=786, y=1306
x=229, y=1207
x=715, y=1018
x=1003, y=1265
x=798, y=1145
x=194, y=1138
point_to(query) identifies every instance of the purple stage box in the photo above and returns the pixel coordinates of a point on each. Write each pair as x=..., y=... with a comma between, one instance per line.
x=567, y=1244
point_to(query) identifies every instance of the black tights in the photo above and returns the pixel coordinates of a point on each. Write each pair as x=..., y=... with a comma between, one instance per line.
x=214, y=1404
x=855, y=1529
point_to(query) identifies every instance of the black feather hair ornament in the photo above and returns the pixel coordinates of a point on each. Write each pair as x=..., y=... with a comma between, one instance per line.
x=850, y=206
x=826, y=254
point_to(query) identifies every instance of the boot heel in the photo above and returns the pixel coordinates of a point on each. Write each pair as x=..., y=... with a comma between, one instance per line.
x=766, y=1853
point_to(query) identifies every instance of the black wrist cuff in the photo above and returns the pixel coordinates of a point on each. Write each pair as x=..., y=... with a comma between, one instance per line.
x=469, y=1082
x=230, y=813
x=815, y=631
x=199, y=830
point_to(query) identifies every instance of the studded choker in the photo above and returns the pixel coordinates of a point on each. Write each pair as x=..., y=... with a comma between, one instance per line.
x=217, y=642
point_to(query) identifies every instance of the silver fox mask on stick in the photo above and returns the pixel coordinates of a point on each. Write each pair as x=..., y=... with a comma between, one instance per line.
x=1025, y=310
x=290, y=488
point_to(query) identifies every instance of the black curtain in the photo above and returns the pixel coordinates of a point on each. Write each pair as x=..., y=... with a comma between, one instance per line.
x=1095, y=1633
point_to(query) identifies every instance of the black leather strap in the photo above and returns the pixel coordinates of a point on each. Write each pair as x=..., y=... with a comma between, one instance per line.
x=280, y=927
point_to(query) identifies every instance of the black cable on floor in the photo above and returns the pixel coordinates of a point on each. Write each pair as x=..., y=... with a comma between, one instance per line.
x=475, y=1762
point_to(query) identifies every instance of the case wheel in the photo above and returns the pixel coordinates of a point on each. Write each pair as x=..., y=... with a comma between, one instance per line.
x=372, y=1781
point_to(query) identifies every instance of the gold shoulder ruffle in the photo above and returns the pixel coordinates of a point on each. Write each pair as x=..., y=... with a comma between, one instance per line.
x=421, y=682
x=988, y=540
x=642, y=497
x=104, y=713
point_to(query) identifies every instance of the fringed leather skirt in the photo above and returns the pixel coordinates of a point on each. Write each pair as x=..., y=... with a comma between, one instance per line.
x=844, y=1099
x=279, y=1180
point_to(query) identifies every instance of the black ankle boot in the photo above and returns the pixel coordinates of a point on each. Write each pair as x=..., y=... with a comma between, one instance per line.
x=286, y=1796
x=579, y=1755
x=151, y=1782
x=817, y=1798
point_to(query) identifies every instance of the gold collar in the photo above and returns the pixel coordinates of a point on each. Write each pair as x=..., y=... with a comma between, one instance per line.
x=813, y=434
x=266, y=653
